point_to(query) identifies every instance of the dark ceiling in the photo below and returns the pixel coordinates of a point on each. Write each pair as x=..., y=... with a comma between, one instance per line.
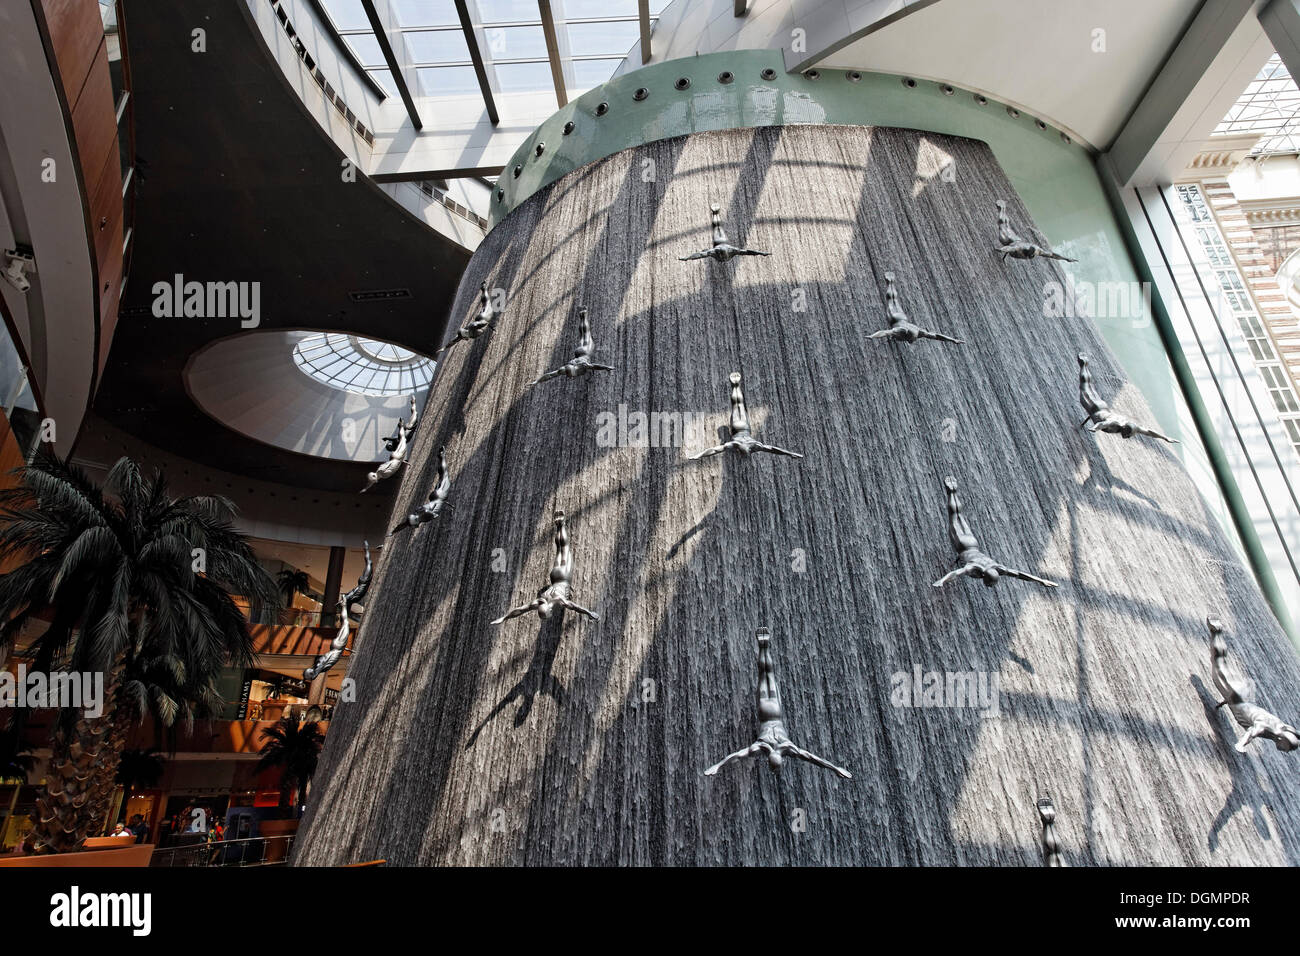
x=239, y=183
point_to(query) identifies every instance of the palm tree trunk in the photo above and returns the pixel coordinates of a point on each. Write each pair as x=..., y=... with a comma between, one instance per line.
x=71, y=805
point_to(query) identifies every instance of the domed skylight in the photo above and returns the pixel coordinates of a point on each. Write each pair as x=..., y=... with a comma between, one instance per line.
x=362, y=366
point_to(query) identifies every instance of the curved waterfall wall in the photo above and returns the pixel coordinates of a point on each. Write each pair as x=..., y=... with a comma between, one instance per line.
x=569, y=742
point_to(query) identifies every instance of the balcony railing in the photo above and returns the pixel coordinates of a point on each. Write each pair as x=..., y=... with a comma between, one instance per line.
x=251, y=851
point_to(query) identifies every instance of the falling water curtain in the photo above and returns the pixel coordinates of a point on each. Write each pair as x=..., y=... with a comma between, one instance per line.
x=578, y=742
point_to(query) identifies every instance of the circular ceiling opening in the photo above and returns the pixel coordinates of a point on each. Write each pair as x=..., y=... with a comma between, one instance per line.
x=362, y=366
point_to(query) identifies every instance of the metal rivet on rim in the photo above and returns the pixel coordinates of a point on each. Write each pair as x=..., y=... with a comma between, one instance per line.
x=568, y=127
x=683, y=83
x=909, y=82
x=768, y=74
x=947, y=89
x=602, y=109
x=501, y=194
x=540, y=148
x=812, y=74
x=1064, y=138
x=981, y=99
x=1013, y=112
x=640, y=94
x=726, y=76
x=853, y=76
x=518, y=170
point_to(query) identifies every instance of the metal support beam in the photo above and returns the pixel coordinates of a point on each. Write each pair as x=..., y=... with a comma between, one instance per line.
x=1219, y=53
x=389, y=36
x=643, y=12
x=553, y=51
x=476, y=55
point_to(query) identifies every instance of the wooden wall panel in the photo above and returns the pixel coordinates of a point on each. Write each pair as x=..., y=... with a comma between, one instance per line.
x=77, y=35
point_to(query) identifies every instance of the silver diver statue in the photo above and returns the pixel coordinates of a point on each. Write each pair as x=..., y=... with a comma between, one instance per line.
x=331, y=657
x=970, y=559
x=1100, y=416
x=741, y=438
x=1052, y=855
x=772, y=737
x=432, y=508
x=556, y=594
x=1255, y=720
x=902, y=329
x=472, y=330
x=581, y=362
x=356, y=595
x=408, y=430
x=396, y=459
x=1010, y=243
x=721, y=250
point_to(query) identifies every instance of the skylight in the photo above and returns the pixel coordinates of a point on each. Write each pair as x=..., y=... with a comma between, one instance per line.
x=363, y=366
x=1269, y=106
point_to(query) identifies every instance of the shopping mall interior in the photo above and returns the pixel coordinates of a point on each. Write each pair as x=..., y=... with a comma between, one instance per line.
x=314, y=257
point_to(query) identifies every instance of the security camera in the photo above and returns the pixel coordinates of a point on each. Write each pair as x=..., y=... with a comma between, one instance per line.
x=19, y=262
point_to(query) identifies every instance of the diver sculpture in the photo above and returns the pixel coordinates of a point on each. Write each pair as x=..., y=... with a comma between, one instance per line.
x=902, y=329
x=331, y=657
x=472, y=330
x=556, y=594
x=1255, y=720
x=772, y=741
x=396, y=459
x=1100, y=416
x=581, y=362
x=363, y=584
x=391, y=441
x=1010, y=243
x=1052, y=855
x=721, y=250
x=741, y=438
x=433, y=507
x=970, y=559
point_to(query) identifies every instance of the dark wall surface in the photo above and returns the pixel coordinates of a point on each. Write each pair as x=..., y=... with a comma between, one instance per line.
x=547, y=743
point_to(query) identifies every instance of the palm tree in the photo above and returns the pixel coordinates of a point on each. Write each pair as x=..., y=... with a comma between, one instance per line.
x=294, y=748
x=291, y=582
x=136, y=585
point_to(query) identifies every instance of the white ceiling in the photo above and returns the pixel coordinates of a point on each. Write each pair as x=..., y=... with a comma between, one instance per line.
x=1036, y=54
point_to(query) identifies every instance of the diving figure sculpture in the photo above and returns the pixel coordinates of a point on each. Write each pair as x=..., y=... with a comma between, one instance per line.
x=472, y=330
x=773, y=741
x=1255, y=720
x=581, y=362
x=1052, y=855
x=721, y=250
x=556, y=594
x=433, y=507
x=970, y=559
x=331, y=657
x=741, y=438
x=391, y=441
x=902, y=329
x=363, y=584
x=1100, y=416
x=396, y=459
x=1010, y=243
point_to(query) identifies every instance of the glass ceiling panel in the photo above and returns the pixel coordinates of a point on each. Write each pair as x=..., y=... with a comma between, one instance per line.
x=515, y=43
x=446, y=80
x=347, y=14
x=597, y=39
x=437, y=46
x=515, y=56
x=425, y=13
x=1270, y=106
x=364, y=366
